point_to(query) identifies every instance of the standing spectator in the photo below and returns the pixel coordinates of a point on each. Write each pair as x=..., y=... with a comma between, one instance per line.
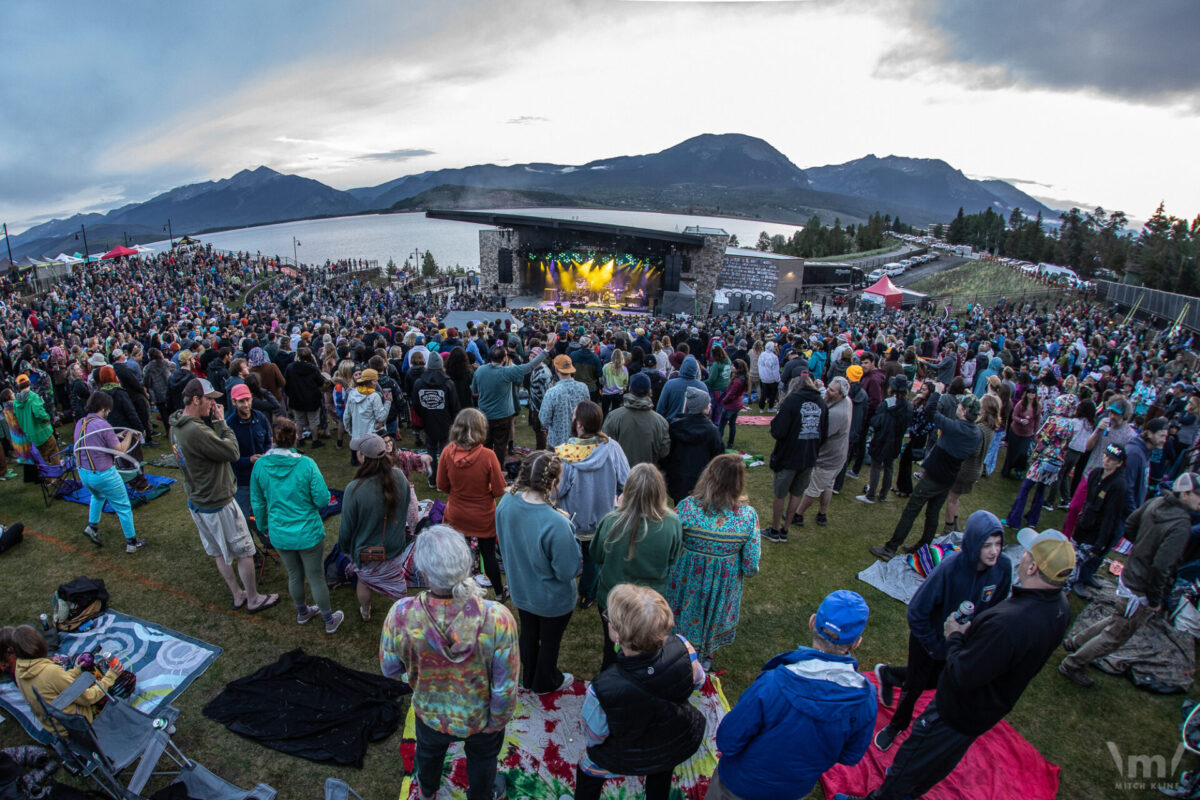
x=304, y=384
x=559, y=404
x=437, y=403
x=988, y=424
x=587, y=367
x=542, y=560
x=155, y=375
x=34, y=420
x=377, y=508
x=814, y=695
x=366, y=408
x=671, y=401
x=1160, y=530
x=872, y=383
x=719, y=371
x=636, y=543
x=1049, y=454
x=640, y=430
x=458, y=652
x=1025, y=422
x=461, y=371
x=268, y=373
x=614, y=381
x=980, y=573
x=1085, y=416
x=96, y=449
x=636, y=714
x=721, y=549
x=494, y=384
x=594, y=473
x=799, y=430
x=731, y=401
x=888, y=426
x=470, y=474
x=206, y=449
x=1105, y=504
x=989, y=662
x=253, y=432
x=768, y=376
x=694, y=442
x=831, y=457
x=540, y=380
x=288, y=493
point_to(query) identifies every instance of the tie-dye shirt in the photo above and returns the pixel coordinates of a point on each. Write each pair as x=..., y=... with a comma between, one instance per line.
x=459, y=657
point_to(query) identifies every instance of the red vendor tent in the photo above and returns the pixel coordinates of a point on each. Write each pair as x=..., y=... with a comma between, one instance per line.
x=885, y=293
x=119, y=252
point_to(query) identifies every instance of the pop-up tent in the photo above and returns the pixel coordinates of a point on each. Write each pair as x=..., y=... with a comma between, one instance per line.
x=884, y=293
x=120, y=252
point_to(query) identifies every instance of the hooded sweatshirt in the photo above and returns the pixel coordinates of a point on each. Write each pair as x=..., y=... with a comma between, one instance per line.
x=640, y=430
x=459, y=656
x=694, y=442
x=799, y=430
x=807, y=696
x=1159, y=531
x=366, y=411
x=670, y=402
x=956, y=579
x=287, y=494
x=473, y=479
x=50, y=680
x=32, y=417
x=206, y=450
x=594, y=473
x=995, y=367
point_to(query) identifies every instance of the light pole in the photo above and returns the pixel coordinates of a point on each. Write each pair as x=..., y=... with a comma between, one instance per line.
x=86, y=257
x=170, y=233
x=295, y=256
x=8, y=244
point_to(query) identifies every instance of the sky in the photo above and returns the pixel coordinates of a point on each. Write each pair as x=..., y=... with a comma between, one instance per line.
x=1084, y=102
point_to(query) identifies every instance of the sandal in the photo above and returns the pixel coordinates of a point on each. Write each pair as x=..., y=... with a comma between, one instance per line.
x=236, y=604
x=365, y=613
x=272, y=600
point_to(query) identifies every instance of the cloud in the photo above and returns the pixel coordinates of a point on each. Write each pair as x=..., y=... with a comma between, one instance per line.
x=403, y=154
x=526, y=120
x=1139, y=52
x=1014, y=181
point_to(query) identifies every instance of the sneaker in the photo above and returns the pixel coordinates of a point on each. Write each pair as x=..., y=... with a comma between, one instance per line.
x=1069, y=644
x=317, y=443
x=586, y=602
x=567, y=682
x=312, y=611
x=862, y=498
x=886, y=691
x=885, y=738
x=334, y=622
x=8, y=476
x=1076, y=676
x=882, y=552
x=909, y=549
x=773, y=535
x=798, y=520
x=93, y=533
x=851, y=474
x=500, y=786
x=822, y=520
x=134, y=544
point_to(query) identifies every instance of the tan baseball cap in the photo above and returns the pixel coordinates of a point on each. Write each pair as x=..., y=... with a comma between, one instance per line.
x=1051, y=551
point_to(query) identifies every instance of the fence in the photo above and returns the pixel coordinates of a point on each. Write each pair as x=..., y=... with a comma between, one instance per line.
x=1152, y=302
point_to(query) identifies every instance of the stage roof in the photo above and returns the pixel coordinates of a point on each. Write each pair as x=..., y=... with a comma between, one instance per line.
x=566, y=225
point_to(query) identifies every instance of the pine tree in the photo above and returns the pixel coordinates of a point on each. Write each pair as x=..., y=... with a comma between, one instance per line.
x=429, y=267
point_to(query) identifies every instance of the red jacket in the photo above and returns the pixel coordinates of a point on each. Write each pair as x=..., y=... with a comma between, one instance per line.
x=473, y=480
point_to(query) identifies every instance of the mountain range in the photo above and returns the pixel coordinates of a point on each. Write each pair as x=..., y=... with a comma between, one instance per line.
x=729, y=174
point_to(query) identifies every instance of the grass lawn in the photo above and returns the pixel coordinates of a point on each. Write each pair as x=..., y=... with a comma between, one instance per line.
x=981, y=281
x=172, y=583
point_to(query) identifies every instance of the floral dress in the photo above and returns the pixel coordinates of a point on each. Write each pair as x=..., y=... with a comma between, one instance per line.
x=1050, y=446
x=705, y=587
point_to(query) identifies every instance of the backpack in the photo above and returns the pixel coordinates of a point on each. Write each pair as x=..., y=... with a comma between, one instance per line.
x=11, y=536
x=77, y=602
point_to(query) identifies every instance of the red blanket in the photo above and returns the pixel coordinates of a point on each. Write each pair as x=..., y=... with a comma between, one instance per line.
x=985, y=773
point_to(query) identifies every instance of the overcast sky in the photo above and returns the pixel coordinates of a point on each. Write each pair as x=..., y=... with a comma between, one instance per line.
x=1088, y=101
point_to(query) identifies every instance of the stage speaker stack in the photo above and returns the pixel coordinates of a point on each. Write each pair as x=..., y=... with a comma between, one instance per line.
x=505, y=261
x=674, y=262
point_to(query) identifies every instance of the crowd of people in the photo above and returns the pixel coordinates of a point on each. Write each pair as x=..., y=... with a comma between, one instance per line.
x=629, y=500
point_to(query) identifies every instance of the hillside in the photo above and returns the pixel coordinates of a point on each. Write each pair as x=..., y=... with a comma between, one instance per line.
x=473, y=197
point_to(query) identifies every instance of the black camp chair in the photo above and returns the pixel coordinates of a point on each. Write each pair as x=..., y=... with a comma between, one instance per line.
x=121, y=737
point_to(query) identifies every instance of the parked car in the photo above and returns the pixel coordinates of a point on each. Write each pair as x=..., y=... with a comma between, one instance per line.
x=876, y=274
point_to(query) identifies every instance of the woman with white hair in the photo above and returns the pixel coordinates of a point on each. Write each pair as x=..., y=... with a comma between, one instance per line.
x=768, y=377
x=459, y=654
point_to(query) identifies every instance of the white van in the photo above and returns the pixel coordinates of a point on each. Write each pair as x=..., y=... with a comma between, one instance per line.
x=894, y=269
x=876, y=275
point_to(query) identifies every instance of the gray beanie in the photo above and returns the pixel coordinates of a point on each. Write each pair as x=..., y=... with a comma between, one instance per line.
x=695, y=401
x=434, y=361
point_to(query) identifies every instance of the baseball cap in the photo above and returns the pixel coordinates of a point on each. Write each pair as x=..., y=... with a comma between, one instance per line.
x=1155, y=425
x=899, y=383
x=854, y=373
x=1187, y=482
x=970, y=404
x=639, y=384
x=1115, y=451
x=370, y=446
x=1051, y=551
x=239, y=392
x=199, y=387
x=564, y=364
x=841, y=617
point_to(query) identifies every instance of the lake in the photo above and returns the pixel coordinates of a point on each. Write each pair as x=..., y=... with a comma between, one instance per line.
x=396, y=236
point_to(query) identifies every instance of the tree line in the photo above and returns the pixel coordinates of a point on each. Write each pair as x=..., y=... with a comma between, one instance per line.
x=816, y=240
x=1093, y=243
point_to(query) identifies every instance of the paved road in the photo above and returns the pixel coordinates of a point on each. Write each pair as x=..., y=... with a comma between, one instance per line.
x=925, y=270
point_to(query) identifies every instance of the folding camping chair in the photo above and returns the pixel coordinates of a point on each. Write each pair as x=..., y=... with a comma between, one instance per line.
x=120, y=737
x=56, y=479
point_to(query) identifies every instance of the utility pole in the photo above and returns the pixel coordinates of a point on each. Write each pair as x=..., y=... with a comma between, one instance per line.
x=86, y=256
x=295, y=256
x=8, y=244
x=170, y=233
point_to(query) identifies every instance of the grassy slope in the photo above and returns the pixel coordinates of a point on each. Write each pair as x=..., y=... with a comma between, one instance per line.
x=984, y=281
x=171, y=582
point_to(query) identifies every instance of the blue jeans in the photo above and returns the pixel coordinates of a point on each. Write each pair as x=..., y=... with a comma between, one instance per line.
x=728, y=418
x=989, y=461
x=107, y=485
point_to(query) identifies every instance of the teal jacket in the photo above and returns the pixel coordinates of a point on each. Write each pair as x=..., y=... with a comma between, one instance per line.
x=287, y=493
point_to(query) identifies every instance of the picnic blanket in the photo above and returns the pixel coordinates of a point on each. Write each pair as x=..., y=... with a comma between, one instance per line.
x=897, y=579
x=749, y=420
x=985, y=773
x=544, y=741
x=77, y=493
x=165, y=662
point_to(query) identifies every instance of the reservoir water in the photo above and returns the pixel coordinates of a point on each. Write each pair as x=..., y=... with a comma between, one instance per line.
x=396, y=236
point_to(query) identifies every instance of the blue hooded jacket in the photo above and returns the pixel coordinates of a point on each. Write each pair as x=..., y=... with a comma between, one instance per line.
x=806, y=711
x=957, y=579
x=1137, y=470
x=995, y=367
x=670, y=402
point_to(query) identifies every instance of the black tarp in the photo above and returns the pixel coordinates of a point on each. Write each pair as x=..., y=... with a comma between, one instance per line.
x=311, y=707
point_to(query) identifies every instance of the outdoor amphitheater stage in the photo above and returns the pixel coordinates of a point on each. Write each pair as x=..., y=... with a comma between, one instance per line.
x=541, y=304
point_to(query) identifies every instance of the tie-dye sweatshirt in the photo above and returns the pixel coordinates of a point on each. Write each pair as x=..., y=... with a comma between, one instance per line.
x=459, y=657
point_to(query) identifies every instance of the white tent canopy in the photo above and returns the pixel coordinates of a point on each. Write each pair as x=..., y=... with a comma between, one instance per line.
x=66, y=259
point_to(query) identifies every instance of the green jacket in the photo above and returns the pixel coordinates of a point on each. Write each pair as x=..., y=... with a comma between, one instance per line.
x=206, y=450
x=718, y=375
x=362, y=518
x=287, y=493
x=32, y=417
x=659, y=544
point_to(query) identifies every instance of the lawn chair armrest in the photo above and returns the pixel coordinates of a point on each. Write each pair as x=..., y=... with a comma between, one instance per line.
x=85, y=681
